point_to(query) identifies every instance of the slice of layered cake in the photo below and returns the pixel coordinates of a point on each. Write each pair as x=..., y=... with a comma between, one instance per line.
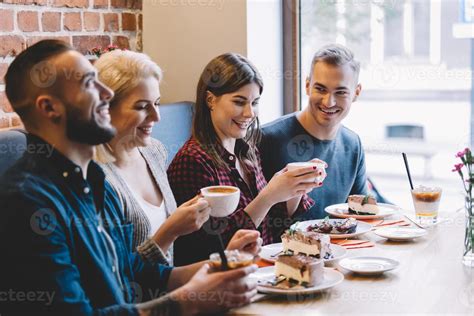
x=305, y=270
x=307, y=242
x=362, y=205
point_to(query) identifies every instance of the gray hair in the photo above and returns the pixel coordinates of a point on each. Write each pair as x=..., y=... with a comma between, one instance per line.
x=336, y=55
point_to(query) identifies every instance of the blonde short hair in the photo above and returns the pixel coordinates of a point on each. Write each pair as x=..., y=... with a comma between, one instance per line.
x=122, y=71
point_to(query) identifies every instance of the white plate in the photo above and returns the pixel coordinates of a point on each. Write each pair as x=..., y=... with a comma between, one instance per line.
x=341, y=211
x=362, y=228
x=332, y=278
x=268, y=252
x=400, y=233
x=368, y=265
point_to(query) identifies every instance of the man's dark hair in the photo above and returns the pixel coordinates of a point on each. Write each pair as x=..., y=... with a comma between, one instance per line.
x=30, y=74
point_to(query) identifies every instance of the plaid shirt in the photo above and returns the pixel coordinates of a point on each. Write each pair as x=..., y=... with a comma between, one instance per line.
x=193, y=169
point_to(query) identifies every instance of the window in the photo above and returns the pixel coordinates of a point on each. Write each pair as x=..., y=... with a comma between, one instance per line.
x=416, y=78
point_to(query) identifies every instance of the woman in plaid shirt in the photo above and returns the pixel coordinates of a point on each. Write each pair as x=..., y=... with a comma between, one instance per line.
x=223, y=151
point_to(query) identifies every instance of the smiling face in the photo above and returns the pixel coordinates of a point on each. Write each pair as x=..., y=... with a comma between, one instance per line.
x=234, y=112
x=137, y=112
x=331, y=91
x=85, y=100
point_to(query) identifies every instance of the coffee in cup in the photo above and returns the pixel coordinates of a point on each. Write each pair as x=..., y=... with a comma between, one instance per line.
x=222, y=199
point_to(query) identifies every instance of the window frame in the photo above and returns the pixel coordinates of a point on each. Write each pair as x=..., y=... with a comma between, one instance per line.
x=291, y=56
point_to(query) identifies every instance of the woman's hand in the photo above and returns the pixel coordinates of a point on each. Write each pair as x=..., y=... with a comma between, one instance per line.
x=187, y=218
x=246, y=240
x=286, y=185
x=323, y=173
x=212, y=292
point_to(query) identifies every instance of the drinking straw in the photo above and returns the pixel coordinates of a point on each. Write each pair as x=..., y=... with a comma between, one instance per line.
x=408, y=169
x=224, y=264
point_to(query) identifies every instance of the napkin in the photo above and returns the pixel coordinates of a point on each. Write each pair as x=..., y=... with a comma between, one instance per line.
x=262, y=263
x=353, y=243
x=387, y=222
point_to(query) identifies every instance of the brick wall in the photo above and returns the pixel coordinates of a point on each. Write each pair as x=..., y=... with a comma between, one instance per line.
x=82, y=23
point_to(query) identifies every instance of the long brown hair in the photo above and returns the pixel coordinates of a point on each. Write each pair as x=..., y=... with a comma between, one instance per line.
x=225, y=74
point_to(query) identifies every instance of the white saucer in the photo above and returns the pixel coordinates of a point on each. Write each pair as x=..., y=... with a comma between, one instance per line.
x=400, y=233
x=342, y=211
x=368, y=265
x=270, y=252
x=332, y=278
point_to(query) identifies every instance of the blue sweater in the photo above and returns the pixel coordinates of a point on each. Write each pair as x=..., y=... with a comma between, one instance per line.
x=285, y=140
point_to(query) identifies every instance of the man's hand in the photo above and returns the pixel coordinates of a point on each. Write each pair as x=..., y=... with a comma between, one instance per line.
x=213, y=292
x=246, y=240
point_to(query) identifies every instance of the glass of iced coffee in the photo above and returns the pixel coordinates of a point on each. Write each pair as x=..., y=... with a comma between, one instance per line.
x=426, y=202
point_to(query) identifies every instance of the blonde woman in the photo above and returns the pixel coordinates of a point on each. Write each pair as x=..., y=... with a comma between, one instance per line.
x=134, y=162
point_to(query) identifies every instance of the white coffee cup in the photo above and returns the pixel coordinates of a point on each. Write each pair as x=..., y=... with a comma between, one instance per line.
x=222, y=199
x=306, y=164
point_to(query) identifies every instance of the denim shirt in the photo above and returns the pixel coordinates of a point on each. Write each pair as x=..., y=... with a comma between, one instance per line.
x=65, y=246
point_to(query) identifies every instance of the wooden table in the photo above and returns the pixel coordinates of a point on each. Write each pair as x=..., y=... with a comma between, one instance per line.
x=430, y=279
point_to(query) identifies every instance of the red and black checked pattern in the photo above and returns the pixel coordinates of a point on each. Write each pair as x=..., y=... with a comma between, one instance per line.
x=193, y=169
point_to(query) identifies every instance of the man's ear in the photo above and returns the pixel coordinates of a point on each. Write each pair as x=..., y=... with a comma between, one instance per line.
x=48, y=107
x=357, y=92
x=308, y=88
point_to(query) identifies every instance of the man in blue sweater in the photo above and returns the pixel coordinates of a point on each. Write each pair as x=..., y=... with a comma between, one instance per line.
x=317, y=131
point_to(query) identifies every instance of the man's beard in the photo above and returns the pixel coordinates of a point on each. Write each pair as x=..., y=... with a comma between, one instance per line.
x=86, y=131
